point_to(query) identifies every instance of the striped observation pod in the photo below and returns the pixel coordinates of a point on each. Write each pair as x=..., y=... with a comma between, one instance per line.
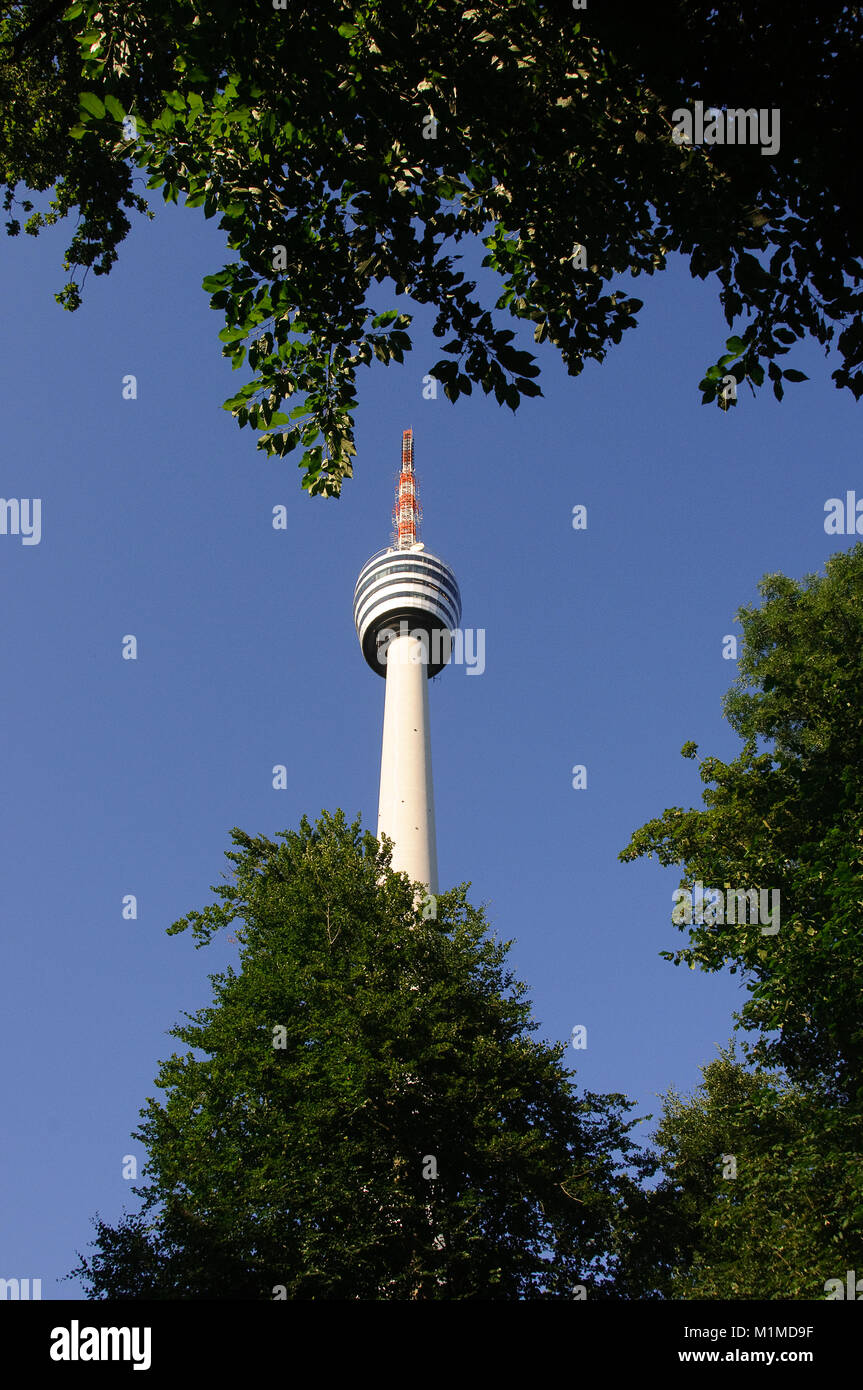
x=406, y=591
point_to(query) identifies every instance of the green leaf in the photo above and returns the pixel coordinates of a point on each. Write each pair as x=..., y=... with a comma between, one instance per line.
x=527, y=387
x=113, y=107
x=217, y=282
x=91, y=103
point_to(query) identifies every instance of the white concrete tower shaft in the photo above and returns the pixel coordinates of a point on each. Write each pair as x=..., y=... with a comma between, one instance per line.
x=406, y=803
x=406, y=603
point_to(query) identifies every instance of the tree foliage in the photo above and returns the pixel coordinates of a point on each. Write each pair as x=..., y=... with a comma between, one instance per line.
x=40, y=81
x=762, y=1196
x=349, y=149
x=359, y=1040
x=787, y=814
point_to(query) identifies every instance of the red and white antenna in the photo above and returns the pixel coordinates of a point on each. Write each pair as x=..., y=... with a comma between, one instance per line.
x=407, y=513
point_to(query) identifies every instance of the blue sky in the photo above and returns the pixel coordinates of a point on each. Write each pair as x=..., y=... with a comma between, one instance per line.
x=603, y=648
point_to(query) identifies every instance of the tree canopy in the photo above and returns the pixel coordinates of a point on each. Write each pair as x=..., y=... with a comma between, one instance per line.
x=362, y=1112
x=785, y=1215
x=787, y=814
x=761, y=1198
x=349, y=149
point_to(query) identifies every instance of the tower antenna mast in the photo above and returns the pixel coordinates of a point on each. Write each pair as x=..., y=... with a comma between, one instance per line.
x=407, y=513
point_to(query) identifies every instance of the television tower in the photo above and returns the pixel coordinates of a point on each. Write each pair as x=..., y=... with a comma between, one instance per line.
x=406, y=605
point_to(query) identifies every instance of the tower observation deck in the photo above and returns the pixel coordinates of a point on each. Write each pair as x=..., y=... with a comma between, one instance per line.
x=406, y=605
